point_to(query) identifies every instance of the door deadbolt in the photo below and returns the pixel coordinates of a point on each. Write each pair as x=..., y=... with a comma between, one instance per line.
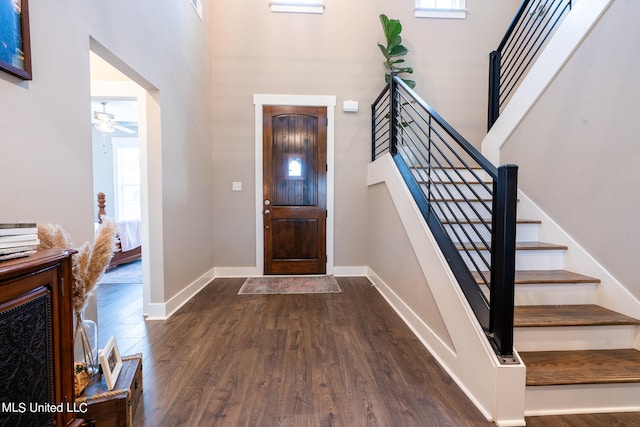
x=267, y=202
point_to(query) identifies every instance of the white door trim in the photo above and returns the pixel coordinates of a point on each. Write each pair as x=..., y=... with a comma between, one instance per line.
x=259, y=101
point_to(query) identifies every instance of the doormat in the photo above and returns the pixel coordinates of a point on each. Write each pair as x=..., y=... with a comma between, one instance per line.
x=290, y=285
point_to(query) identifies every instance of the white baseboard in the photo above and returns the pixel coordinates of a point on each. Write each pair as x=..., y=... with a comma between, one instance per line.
x=162, y=311
x=345, y=271
x=236, y=272
x=155, y=311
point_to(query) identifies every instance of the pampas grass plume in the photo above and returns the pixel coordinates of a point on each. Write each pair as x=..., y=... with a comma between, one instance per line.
x=101, y=254
x=53, y=236
x=80, y=262
x=89, y=264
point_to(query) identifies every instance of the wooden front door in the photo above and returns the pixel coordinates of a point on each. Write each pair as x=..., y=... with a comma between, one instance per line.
x=295, y=189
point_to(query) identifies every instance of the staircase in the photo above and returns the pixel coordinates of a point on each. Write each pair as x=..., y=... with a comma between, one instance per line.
x=579, y=356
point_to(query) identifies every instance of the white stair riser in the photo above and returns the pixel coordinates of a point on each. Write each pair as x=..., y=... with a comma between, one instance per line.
x=525, y=259
x=524, y=232
x=461, y=211
x=468, y=233
x=574, y=337
x=527, y=232
x=455, y=191
x=555, y=294
x=450, y=175
x=583, y=398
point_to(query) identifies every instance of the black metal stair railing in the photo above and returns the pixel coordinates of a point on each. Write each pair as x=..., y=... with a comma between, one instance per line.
x=468, y=203
x=527, y=34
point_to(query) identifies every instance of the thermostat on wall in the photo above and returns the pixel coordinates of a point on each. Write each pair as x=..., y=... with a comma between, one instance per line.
x=350, y=106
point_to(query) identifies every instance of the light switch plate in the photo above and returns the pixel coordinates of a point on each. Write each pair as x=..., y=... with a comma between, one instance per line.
x=236, y=186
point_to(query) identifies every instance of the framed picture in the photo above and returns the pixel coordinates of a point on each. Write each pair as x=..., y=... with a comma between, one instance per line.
x=15, y=47
x=110, y=362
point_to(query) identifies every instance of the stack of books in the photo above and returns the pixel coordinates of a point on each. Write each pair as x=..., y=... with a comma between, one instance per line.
x=18, y=239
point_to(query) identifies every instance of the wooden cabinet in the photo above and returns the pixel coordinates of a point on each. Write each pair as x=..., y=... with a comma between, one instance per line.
x=36, y=341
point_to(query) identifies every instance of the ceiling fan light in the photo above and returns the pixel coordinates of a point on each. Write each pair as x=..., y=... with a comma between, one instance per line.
x=102, y=116
x=105, y=127
x=104, y=121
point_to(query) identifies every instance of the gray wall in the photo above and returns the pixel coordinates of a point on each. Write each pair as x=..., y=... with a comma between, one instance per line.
x=578, y=148
x=336, y=53
x=393, y=259
x=204, y=75
x=45, y=125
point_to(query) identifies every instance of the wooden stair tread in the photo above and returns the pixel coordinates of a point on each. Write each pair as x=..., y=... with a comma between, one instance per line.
x=568, y=315
x=581, y=367
x=527, y=277
x=520, y=246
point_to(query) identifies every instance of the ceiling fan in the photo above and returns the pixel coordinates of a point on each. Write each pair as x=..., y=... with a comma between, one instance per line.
x=105, y=122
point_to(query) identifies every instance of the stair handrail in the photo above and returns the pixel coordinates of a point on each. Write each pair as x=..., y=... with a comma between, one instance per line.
x=533, y=24
x=430, y=154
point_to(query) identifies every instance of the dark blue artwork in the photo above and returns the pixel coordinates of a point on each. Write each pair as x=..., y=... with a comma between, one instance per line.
x=10, y=33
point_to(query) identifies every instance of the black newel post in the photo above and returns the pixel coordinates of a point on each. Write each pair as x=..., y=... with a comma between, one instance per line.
x=504, y=262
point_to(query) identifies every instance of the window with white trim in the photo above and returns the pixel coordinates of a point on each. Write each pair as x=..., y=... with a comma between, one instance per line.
x=453, y=9
x=297, y=6
x=126, y=176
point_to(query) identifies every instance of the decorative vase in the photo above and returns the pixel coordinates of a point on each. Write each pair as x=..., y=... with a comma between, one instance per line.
x=86, y=343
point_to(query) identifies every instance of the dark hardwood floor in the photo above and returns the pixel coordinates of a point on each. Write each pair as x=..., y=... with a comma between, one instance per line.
x=290, y=360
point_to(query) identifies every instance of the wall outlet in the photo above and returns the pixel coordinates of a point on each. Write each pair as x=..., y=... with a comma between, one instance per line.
x=236, y=186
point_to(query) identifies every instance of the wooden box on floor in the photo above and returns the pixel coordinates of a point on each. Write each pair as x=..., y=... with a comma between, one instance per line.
x=117, y=407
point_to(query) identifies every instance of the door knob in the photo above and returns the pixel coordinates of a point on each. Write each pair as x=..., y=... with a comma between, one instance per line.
x=267, y=211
